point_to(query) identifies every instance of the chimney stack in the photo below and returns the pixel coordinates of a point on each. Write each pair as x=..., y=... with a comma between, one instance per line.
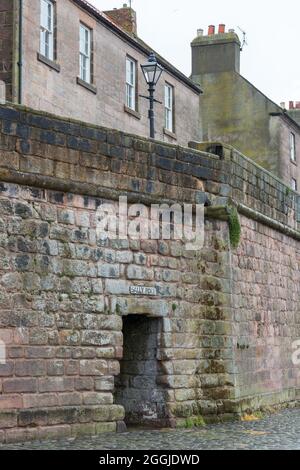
x=215, y=52
x=124, y=17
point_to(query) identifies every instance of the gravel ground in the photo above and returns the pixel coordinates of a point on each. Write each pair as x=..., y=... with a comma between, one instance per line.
x=278, y=431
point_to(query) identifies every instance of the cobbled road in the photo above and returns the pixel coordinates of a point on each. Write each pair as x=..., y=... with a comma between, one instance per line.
x=278, y=431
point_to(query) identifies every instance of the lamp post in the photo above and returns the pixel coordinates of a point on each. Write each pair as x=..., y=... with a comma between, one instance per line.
x=152, y=72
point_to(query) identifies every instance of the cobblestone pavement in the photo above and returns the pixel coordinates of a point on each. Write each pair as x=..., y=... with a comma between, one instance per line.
x=279, y=431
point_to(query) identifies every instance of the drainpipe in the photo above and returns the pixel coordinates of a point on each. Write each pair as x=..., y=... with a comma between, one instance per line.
x=20, y=61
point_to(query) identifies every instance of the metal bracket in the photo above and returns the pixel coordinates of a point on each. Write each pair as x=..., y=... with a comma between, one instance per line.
x=148, y=98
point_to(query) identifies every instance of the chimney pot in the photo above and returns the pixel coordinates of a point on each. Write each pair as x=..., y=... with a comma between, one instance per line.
x=211, y=30
x=291, y=104
x=231, y=30
x=221, y=28
x=200, y=32
x=297, y=104
x=282, y=104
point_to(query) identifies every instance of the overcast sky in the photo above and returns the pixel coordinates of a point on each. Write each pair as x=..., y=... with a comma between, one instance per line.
x=271, y=59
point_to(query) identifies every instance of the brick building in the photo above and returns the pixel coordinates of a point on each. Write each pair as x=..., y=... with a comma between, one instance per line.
x=235, y=112
x=293, y=110
x=68, y=58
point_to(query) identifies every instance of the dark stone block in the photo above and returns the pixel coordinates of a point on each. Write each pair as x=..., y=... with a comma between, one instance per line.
x=43, y=230
x=37, y=193
x=190, y=157
x=56, y=197
x=39, y=121
x=48, y=137
x=114, y=138
x=165, y=151
x=202, y=173
x=150, y=188
x=22, y=262
x=22, y=131
x=116, y=152
x=127, y=141
x=9, y=114
x=135, y=184
x=23, y=210
x=78, y=144
x=180, y=167
x=165, y=163
x=66, y=127
x=32, y=417
x=142, y=145
x=25, y=146
x=95, y=134
x=116, y=166
x=8, y=127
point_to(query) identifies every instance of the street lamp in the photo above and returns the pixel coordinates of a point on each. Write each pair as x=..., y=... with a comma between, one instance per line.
x=152, y=72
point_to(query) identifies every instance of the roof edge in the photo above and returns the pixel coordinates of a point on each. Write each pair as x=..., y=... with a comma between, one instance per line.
x=127, y=37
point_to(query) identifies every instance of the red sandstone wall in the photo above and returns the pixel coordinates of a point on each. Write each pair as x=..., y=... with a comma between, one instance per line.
x=266, y=304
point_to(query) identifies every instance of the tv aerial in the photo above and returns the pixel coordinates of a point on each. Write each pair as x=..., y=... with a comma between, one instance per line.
x=244, y=43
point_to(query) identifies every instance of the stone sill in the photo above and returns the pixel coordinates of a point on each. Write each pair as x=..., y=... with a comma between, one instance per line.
x=170, y=134
x=132, y=112
x=50, y=63
x=87, y=86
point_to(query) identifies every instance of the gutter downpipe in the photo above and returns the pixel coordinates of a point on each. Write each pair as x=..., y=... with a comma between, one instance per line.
x=20, y=61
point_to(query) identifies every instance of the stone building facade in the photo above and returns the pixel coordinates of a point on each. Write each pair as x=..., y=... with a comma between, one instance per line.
x=235, y=112
x=54, y=84
x=6, y=46
x=218, y=327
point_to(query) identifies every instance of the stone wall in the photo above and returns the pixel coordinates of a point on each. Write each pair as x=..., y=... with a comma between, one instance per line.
x=224, y=346
x=266, y=313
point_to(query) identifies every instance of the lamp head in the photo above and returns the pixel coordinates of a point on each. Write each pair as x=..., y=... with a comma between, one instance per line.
x=152, y=70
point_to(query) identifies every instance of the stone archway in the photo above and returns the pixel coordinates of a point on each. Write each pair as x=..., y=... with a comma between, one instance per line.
x=138, y=387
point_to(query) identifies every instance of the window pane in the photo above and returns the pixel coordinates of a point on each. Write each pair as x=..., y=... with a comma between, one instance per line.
x=85, y=54
x=131, y=84
x=293, y=146
x=47, y=36
x=130, y=72
x=169, y=108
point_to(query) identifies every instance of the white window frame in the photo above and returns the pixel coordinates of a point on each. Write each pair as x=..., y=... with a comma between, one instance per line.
x=294, y=184
x=293, y=146
x=47, y=29
x=169, y=107
x=131, y=75
x=85, y=53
